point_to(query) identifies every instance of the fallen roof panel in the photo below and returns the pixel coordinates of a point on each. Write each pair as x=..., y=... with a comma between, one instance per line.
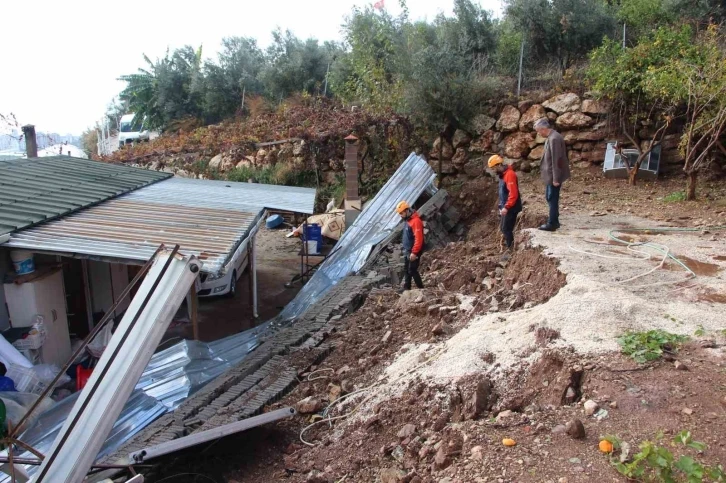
x=375, y=222
x=114, y=377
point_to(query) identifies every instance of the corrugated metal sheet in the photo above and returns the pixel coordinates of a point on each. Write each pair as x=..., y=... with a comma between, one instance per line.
x=132, y=229
x=372, y=226
x=208, y=219
x=39, y=189
x=228, y=195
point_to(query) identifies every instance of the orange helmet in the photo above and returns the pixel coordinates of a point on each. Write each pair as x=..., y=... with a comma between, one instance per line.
x=495, y=160
x=401, y=207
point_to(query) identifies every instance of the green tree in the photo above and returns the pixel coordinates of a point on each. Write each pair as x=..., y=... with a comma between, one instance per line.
x=562, y=30
x=170, y=88
x=447, y=83
x=237, y=70
x=293, y=65
x=696, y=79
x=509, y=44
x=376, y=59
x=622, y=75
x=642, y=16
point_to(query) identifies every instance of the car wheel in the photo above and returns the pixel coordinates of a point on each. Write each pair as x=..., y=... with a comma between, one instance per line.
x=233, y=285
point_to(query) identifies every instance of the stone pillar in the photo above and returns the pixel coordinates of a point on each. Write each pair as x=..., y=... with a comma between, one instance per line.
x=352, y=199
x=31, y=144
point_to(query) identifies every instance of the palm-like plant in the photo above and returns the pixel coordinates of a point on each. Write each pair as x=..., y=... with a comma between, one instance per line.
x=168, y=89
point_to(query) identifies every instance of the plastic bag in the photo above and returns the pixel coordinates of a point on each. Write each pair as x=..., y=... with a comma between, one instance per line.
x=18, y=403
x=99, y=343
x=46, y=373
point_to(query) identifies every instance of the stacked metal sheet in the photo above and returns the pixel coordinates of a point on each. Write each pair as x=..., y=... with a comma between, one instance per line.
x=171, y=376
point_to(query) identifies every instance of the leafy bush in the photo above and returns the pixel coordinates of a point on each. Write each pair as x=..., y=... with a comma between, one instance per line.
x=657, y=463
x=675, y=197
x=649, y=346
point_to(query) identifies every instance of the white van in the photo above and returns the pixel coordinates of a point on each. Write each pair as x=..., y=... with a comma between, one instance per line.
x=226, y=283
x=132, y=130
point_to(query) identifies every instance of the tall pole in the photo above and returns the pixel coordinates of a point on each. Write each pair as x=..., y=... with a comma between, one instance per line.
x=521, y=58
x=325, y=92
x=623, y=35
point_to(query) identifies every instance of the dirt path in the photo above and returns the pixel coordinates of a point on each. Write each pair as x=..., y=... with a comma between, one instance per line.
x=277, y=263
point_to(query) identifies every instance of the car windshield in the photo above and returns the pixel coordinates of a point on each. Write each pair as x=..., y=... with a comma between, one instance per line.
x=132, y=126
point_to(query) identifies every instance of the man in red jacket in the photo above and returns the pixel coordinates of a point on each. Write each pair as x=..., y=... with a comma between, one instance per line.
x=413, y=244
x=510, y=203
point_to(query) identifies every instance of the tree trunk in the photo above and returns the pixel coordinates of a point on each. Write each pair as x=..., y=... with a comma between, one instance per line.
x=441, y=160
x=691, y=186
x=632, y=176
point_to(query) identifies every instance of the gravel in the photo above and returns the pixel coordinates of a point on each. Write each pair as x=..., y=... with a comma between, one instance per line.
x=592, y=310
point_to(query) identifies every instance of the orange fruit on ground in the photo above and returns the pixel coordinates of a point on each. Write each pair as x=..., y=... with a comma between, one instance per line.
x=508, y=442
x=605, y=446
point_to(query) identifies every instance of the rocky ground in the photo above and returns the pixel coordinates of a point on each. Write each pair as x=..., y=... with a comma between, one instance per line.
x=523, y=350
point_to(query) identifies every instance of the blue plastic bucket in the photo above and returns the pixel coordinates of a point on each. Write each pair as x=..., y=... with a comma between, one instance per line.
x=274, y=221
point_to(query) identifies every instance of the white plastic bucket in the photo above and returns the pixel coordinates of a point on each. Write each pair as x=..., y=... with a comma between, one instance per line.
x=22, y=261
x=312, y=247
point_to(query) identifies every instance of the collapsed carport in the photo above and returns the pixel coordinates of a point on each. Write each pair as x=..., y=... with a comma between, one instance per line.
x=214, y=220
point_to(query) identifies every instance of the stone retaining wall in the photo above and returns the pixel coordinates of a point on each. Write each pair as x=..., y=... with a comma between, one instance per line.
x=508, y=131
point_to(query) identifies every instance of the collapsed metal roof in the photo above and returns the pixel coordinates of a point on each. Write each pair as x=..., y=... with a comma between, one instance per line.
x=208, y=219
x=375, y=222
x=39, y=189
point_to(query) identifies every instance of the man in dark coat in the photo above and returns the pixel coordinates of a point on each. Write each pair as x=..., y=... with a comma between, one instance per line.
x=555, y=170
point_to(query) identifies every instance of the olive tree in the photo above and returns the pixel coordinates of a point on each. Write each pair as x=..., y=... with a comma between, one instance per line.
x=697, y=82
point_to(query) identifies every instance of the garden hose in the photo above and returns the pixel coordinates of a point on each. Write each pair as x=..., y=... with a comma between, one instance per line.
x=655, y=247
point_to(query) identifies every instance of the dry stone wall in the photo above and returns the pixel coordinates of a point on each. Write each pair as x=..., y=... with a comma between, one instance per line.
x=509, y=132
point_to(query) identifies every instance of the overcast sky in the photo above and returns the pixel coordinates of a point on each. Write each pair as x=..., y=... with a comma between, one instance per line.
x=61, y=58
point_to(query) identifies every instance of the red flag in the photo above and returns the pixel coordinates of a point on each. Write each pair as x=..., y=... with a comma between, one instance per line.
x=379, y=4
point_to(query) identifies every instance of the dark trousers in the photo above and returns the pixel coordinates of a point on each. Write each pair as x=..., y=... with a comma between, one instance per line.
x=552, y=194
x=410, y=269
x=506, y=224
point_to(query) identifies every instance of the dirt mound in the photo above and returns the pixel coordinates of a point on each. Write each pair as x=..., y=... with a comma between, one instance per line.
x=534, y=276
x=475, y=199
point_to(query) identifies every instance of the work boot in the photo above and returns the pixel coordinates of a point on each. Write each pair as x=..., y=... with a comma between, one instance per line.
x=548, y=227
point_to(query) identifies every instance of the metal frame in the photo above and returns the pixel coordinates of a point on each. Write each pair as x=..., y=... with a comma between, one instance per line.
x=119, y=369
x=209, y=435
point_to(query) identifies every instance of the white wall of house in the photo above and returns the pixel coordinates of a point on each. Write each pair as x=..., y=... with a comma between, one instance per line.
x=108, y=280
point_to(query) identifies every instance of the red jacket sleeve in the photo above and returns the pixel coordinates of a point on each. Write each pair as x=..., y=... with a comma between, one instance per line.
x=418, y=235
x=510, y=179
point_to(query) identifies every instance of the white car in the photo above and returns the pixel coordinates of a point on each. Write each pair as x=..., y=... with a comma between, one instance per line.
x=225, y=283
x=132, y=130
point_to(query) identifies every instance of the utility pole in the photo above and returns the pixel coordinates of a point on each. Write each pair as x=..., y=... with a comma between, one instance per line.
x=325, y=92
x=521, y=58
x=623, y=35
x=244, y=91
